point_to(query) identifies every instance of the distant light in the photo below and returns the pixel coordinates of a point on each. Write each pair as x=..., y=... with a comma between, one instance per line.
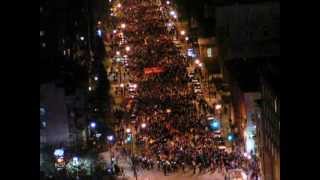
x=230, y=137
x=200, y=64
x=215, y=125
x=197, y=61
x=119, y=5
x=58, y=152
x=218, y=106
x=182, y=32
x=172, y=13
x=60, y=160
x=128, y=48
x=41, y=33
x=186, y=38
x=99, y=22
x=96, y=78
x=169, y=24
x=123, y=25
x=75, y=161
x=81, y=38
x=98, y=135
x=129, y=138
x=114, y=31
x=168, y=110
x=175, y=16
x=43, y=44
x=90, y=88
x=93, y=125
x=143, y=125
x=99, y=32
x=191, y=53
x=118, y=53
x=122, y=85
x=110, y=138
x=128, y=130
x=110, y=0
x=168, y=2
x=135, y=85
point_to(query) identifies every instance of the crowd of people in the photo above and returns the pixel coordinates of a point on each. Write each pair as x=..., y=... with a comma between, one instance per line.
x=177, y=133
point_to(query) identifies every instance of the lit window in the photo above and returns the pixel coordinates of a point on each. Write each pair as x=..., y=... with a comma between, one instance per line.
x=209, y=52
x=41, y=33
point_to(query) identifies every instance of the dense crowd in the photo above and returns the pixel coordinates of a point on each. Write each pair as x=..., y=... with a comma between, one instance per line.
x=178, y=134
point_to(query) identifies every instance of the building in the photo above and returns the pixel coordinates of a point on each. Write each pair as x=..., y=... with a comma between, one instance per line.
x=268, y=125
x=249, y=30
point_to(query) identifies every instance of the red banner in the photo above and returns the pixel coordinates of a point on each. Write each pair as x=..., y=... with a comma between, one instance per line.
x=153, y=70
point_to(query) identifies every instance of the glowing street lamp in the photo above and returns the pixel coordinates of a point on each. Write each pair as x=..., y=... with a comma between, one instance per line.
x=197, y=61
x=143, y=125
x=93, y=125
x=183, y=32
x=90, y=88
x=168, y=2
x=218, y=106
x=81, y=38
x=172, y=13
x=230, y=137
x=186, y=38
x=114, y=31
x=99, y=32
x=122, y=85
x=119, y=5
x=118, y=53
x=168, y=111
x=110, y=138
x=128, y=130
x=200, y=64
x=123, y=25
x=128, y=48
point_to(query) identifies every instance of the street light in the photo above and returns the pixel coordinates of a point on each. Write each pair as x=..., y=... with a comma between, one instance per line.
x=110, y=138
x=172, y=13
x=128, y=130
x=93, y=125
x=187, y=38
x=143, y=125
x=128, y=48
x=114, y=31
x=99, y=32
x=182, y=32
x=168, y=111
x=218, y=106
x=197, y=61
x=230, y=137
x=90, y=88
x=200, y=64
x=119, y=5
x=118, y=53
x=96, y=78
x=123, y=25
x=168, y=2
x=122, y=85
